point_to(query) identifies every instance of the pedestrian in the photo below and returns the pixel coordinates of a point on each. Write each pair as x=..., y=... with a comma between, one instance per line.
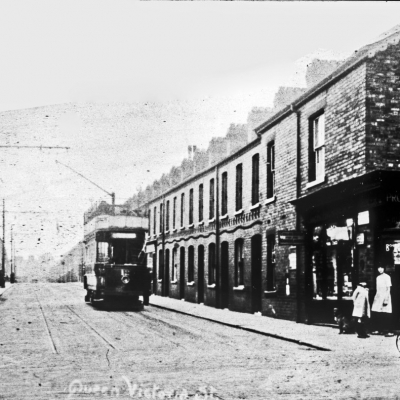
x=361, y=310
x=382, y=305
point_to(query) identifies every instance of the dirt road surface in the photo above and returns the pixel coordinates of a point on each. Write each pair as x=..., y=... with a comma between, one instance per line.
x=54, y=346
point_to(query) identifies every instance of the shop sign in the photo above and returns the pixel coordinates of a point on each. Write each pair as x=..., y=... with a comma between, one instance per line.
x=393, y=198
x=291, y=238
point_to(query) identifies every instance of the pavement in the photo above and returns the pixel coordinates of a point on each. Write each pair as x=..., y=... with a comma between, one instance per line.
x=315, y=336
x=7, y=287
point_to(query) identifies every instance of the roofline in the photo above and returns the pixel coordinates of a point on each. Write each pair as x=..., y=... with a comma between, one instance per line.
x=347, y=67
x=208, y=170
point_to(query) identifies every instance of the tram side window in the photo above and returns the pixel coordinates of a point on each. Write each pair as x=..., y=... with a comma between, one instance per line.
x=102, y=252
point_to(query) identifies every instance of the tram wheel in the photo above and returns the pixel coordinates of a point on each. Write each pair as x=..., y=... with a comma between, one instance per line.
x=87, y=296
x=92, y=299
x=146, y=299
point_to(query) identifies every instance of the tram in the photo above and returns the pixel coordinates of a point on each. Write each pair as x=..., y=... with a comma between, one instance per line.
x=115, y=264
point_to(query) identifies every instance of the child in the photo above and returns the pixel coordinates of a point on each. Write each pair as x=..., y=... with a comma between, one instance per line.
x=361, y=309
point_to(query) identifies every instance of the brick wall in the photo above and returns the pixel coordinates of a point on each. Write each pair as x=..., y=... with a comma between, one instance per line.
x=383, y=110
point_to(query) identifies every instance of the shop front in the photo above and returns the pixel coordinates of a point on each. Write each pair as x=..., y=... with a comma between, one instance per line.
x=351, y=228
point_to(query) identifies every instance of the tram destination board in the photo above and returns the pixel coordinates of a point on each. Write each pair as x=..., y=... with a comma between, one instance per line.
x=291, y=238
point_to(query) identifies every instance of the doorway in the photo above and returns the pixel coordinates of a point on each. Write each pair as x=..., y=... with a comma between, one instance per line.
x=182, y=273
x=224, y=275
x=200, y=275
x=256, y=283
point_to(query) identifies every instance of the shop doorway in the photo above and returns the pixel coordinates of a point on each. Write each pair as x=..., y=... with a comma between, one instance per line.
x=256, y=282
x=224, y=275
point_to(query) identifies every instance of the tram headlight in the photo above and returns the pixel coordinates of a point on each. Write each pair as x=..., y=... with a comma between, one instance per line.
x=102, y=281
x=125, y=279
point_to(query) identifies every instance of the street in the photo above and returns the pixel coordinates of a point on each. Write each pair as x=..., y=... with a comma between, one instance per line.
x=53, y=345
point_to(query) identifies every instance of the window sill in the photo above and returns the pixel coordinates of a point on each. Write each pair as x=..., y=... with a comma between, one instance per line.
x=167, y=232
x=174, y=230
x=210, y=221
x=182, y=228
x=159, y=280
x=191, y=226
x=223, y=217
x=190, y=283
x=174, y=282
x=212, y=286
x=239, y=212
x=316, y=182
x=270, y=293
x=255, y=206
x=201, y=223
x=239, y=288
x=270, y=200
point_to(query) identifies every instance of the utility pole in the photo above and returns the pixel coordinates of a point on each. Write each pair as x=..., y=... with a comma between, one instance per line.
x=93, y=183
x=3, y=253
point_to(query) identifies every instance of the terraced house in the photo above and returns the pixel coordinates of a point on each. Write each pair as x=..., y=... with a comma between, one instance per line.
x=286, y=214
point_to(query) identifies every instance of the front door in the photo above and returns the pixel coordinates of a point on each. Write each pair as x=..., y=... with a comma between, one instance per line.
x=225, y=275
x=182, y=274
x=200, y=275
x=256, y=284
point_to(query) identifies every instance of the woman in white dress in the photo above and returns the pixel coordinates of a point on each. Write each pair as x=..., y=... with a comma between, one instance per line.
x=382, y=305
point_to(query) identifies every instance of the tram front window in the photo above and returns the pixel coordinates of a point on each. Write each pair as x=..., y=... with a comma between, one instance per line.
x=124, y=252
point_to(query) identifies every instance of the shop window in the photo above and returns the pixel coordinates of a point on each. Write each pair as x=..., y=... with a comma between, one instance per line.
x=190, y=206
x=317, y=148
x=333, y=259
x=211, y=263
x=271, y=262
x=174, y=214
x=239, y=186
x=191, y=264
x=224, y=200
x=167, y=216
x=174, y=265
x=212, y=200
x=255, y=193
x=239, y=263
x=201, y=203
x=270, y=170
x=182, y=208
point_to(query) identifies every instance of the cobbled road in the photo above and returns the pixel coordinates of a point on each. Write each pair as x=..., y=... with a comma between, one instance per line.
x=54, y=346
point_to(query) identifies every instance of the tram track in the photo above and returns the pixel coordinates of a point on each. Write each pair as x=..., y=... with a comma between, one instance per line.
x=52, y=342
x=95, y=332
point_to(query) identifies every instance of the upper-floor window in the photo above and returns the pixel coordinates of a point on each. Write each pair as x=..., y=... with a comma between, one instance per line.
x=182, y=208
x=224, y=200
x=161, y=217
x=239, y=187
x=255, y=192
x=239, y=263
x=212, y=199
x=174, y=214
x=190, y=206
x=154, y=220
x=201, y=203
x=167, y=216
x=270, y=170
x=317, y=148
x=149, y=222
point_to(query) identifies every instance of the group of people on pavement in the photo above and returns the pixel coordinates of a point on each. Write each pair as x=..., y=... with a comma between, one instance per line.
x=381, y=307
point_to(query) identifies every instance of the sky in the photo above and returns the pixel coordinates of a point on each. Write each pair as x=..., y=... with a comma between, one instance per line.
x=127, y=86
